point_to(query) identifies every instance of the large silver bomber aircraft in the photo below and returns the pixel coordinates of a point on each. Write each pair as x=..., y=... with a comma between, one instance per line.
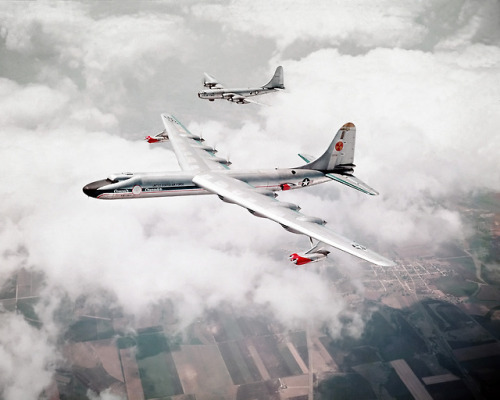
x=239, y=95
x=205, y=173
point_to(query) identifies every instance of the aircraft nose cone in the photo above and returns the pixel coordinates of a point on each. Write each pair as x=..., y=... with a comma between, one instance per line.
x=92, y=189
x=88, y=191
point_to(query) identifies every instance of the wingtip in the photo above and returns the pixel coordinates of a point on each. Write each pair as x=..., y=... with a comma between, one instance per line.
x=385, y=263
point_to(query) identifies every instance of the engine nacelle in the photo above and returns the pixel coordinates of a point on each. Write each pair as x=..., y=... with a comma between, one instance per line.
x=291, y=206
x=157, y=138
x=267, y=192
x=256, y=214
x=226, y=200
x=298, y=259
x=205, y=147
x=221, y=160
x=289, y=229
x=306, y=258
x=150, y=139
x=314, y=220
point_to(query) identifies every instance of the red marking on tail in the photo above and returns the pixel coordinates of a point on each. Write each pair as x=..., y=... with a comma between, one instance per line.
x=339, y=146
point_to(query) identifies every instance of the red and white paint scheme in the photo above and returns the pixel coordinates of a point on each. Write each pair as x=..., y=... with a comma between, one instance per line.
x=160, y=137
x=299, y=260
x=150, y=139
x=315, y=253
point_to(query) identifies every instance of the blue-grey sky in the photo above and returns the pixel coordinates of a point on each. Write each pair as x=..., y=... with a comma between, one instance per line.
x=81, y=83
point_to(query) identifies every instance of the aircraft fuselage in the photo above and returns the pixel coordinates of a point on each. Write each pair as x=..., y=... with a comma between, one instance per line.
x=163, y=184
x=226, y=94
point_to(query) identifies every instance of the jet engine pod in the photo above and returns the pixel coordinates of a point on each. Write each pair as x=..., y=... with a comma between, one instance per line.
x=160, y=137
x=206, y=148
x=306, y=258
x=221, y=160
x=297, y=259
x=267, y=192
x=256, y=214
x=289, y=229
x=291, y=206
x=226, y=200
x=314, y=220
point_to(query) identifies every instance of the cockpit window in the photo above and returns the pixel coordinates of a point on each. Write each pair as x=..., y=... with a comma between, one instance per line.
x=120, y=177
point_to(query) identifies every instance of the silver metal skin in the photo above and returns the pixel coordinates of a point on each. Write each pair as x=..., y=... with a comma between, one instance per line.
x=205, y=173
x=215, y=91
x=166, y=184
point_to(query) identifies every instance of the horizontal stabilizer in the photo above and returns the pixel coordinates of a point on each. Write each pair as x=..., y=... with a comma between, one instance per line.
x=352, y=181
x=307, y=157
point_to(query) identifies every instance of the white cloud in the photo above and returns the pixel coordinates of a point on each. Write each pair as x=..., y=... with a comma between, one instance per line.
x=358, y=26
x=27, y=355
x=426, y=124
x=364, y=24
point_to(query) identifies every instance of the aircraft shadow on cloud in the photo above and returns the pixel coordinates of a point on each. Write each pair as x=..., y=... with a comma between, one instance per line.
x=203, y=172
x=216, y=91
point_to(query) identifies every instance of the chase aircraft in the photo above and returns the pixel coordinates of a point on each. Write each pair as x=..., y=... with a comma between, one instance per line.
x=203, y=172
x=240, y=96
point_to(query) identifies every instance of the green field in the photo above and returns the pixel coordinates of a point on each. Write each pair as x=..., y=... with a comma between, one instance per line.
x=157, y=369
x=456, y=286
x=88, y=329
x=347, y=387
x=228, y=328
x=239, y=362
x=276, y=357
x=27, y=308
x=8, y=289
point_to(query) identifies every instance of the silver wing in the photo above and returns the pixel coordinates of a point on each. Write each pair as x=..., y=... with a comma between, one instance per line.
x=247, y=196
x=247, y=100
x=195, y=156
x=240, y=99
x=191, y=153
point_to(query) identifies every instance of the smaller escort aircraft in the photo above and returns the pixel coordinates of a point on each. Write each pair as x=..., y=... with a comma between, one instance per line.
x=238, y=95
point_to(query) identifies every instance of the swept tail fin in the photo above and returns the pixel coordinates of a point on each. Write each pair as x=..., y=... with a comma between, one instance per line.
x=277, y=81
x=337, y=162
x=339, y=157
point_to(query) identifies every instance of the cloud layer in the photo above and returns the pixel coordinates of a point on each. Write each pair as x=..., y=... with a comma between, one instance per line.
x=81, y=83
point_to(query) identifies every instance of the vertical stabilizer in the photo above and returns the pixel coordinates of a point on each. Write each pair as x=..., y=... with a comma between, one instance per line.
x=339, y=156
x=277, y=82
x=337, y=162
